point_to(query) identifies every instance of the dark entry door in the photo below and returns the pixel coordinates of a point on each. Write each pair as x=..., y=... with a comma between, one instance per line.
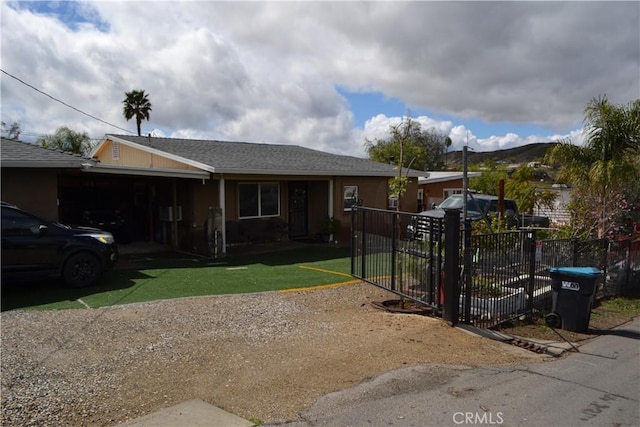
x=298, y=209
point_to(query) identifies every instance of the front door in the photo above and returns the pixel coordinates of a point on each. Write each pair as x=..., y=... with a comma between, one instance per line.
x=298, y=210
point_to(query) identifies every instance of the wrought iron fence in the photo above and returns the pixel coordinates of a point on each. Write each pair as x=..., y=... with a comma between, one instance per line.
x=389, y=250
x=500, y=283
x=502, y=275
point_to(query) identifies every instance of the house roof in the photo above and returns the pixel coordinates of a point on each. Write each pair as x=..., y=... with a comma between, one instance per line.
x=254, y=158
x=443, y=176
x=20, y=154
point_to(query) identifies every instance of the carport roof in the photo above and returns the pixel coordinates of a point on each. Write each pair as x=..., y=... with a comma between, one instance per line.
x=20, y=154
x=254, y=158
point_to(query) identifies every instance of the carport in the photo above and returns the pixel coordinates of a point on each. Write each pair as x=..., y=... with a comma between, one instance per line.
x=135, y=204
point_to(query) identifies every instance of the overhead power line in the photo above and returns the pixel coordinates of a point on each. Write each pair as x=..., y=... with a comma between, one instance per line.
x=63, y=103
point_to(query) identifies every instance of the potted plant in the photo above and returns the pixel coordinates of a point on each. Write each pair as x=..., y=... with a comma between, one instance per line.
x=329, y=227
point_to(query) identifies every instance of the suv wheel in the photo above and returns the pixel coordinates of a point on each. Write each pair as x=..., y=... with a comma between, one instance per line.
x=81, y=270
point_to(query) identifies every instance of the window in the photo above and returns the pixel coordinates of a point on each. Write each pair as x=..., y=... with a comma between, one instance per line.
x=259, y=199
x=16, y=223
x=350, y=196
x=115, y=150
x=449, y=191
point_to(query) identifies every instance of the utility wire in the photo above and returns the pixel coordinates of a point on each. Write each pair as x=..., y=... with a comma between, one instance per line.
x=64, y=103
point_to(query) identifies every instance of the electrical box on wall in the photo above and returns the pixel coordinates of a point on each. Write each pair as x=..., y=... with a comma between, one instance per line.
x=166, y=213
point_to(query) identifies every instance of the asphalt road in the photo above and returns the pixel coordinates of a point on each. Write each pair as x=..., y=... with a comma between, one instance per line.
x=599, y=386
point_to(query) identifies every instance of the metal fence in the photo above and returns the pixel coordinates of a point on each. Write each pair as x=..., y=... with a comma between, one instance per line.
x=388, y=252
x=501, y=275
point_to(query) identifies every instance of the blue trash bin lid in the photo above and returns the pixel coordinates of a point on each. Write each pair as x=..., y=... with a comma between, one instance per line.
x=576, y=271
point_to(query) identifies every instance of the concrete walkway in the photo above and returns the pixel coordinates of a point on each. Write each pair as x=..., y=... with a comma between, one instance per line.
x=192, y=413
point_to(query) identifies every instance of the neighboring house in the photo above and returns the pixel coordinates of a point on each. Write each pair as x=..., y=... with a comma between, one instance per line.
x=168, y=189
x=437, y=186
x=30, y=175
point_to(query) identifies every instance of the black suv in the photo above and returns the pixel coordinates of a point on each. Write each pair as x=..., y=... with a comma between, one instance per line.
x=33, y=248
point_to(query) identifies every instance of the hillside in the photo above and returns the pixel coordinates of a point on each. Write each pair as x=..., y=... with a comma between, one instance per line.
x=524, y=154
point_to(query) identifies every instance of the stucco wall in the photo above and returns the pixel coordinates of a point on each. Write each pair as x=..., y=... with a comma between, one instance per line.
x=34, y=190
x=434, y=193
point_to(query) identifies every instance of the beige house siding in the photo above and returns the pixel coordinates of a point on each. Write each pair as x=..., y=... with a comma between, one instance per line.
x=133, y=157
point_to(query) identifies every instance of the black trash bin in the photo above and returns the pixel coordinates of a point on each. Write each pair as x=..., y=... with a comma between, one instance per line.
x=573, y=291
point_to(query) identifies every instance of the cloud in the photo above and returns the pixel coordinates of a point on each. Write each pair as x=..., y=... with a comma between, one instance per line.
x=269, y=71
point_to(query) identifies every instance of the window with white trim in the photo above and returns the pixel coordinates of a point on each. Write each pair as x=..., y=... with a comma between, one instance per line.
x=350, y=196
x=257, y=200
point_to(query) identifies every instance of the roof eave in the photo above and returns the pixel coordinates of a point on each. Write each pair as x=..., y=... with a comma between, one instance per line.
x=45, y=164
x=142, y=171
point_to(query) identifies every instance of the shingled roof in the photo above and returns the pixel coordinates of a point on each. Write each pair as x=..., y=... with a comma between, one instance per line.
x=25, y=155
x=253, y=158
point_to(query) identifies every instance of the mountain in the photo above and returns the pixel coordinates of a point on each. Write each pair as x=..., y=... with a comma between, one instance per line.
x=523, y=154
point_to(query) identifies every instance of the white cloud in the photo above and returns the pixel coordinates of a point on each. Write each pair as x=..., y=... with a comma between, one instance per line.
x=267, y=71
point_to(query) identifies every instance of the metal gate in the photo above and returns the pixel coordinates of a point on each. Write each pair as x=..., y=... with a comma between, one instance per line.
x=489, y=278
x=398, y=251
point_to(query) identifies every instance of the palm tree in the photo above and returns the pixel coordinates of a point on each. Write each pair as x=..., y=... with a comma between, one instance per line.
x=608, y=159
x=136, y=104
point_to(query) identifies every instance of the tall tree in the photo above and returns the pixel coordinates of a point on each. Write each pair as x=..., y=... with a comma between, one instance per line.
x=136, y=104
x=600, y=169
x=66, y=139
x=419, y=149
x=518, y=185
x=12, y=130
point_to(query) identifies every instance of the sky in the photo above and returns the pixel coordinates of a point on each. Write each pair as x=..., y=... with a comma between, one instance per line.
x=323, y=75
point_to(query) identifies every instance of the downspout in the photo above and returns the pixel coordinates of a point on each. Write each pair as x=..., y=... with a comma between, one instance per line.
x=223, y=210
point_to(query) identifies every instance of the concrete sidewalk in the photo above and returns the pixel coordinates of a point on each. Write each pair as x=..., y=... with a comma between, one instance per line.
x=192, y=413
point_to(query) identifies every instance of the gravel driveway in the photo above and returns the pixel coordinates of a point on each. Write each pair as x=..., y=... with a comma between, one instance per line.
x=261, y=356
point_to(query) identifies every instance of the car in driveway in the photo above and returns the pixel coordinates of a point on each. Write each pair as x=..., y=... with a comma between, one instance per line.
x=479, y=207
x=34, y=248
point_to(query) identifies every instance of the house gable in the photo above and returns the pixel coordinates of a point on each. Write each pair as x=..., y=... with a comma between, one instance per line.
x=115, y=153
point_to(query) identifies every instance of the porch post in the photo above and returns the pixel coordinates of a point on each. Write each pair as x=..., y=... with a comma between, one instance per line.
x=330, y=204
x=174, y=209
x=223, y=209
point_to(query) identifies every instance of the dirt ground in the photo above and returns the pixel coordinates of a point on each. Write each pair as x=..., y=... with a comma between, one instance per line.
x=602, y=319
x=261, y=356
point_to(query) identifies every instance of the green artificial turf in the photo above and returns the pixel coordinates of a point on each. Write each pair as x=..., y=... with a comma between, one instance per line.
x=176, y=275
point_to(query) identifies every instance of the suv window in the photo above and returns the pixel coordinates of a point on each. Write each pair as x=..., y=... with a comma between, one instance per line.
x=510, y=205
x=16, y=223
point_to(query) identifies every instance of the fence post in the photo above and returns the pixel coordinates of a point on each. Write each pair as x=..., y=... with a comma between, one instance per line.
x=468, y=274
x=532, y=271
x=627, y=275
x=363, y=225
x=574, y=261
x=394, y=224
x=353, y=241
x=451, y=305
